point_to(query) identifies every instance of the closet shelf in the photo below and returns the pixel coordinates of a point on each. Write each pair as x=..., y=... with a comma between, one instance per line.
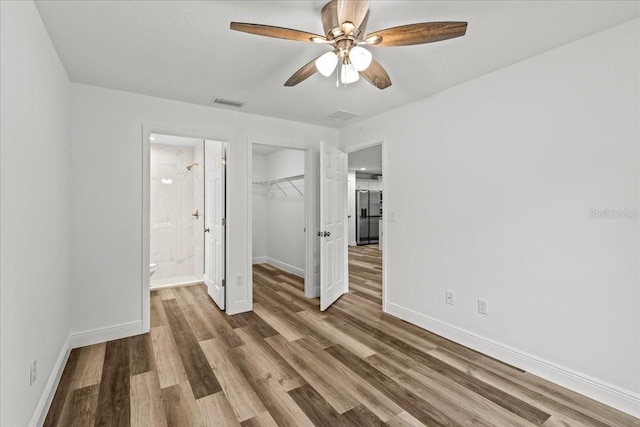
x=289, y=179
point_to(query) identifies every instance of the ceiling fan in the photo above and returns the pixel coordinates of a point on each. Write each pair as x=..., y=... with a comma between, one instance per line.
x=344, y=23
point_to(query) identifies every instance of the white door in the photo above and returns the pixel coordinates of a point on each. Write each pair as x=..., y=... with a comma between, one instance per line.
x=214, y=193
x=334, y=267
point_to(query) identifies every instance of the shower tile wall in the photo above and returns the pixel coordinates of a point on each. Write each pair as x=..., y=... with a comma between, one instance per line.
x=198, y=203
x=176, y=235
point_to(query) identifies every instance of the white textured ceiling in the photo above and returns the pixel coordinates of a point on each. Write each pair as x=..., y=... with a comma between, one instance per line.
x=184, y=50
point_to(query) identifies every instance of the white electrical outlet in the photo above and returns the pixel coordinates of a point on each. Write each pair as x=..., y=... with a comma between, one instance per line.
x=483, y=307
x=33, y=372
x=449, y=297
x=239, y=280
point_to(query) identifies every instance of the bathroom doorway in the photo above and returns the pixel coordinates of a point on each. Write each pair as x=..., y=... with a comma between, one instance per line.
x=176, y=209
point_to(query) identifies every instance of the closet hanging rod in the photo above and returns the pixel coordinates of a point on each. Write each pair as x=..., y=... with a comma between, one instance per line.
x=277, y=181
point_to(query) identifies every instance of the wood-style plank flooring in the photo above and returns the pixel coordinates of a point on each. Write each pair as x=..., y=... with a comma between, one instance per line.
x=286, y=363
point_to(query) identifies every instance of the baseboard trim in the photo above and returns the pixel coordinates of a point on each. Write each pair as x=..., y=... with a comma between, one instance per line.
x=286, y=267
x=95, y=336
x=42, y=409
x=176, y=285
x=239, y=307
x=260, y=260
x=609, y=394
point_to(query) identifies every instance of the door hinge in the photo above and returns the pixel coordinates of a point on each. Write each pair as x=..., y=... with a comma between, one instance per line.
x=224, y=222
x=224, y=283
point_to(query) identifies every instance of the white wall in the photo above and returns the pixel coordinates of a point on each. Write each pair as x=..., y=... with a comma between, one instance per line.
x=34, y=200
x=492, y=183
x=286, y=238
x=106, y=134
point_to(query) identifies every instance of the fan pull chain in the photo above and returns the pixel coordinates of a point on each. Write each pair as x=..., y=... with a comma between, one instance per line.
x=338, y=75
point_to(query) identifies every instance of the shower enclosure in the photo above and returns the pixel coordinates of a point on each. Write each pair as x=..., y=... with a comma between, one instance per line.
x=176, y=208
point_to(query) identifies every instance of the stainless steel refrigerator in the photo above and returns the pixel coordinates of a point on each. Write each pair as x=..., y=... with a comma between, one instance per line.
x=368, y=214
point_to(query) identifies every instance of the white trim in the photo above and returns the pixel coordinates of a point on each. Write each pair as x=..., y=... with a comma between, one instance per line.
x=250, y=225
x=39, y=415
x=177, y=285
x=286, y=267
x=239, y=307
x=259, y=260
x=609, y=394
x=145, y=259
x=98, y=335
x=385, y=226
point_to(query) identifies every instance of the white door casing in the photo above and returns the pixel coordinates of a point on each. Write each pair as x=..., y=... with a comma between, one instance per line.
x=214, y=250
x=334, y=265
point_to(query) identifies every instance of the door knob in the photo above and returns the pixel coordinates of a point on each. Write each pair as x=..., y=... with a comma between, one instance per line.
x=319, y=233
x=327, y=233
x=206, y=230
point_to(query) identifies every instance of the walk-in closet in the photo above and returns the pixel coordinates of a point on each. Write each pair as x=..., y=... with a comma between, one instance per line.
x=278, y=217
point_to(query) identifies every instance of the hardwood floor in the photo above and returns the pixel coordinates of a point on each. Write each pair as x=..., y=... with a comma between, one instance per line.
x=286, y=363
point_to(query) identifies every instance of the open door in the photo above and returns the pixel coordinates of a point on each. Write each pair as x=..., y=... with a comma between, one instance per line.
x=214, y=193
x=333, y=222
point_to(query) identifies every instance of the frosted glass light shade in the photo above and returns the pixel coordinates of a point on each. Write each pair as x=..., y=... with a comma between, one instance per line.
x=360, y=58
x=348, y=74
x=327, y=63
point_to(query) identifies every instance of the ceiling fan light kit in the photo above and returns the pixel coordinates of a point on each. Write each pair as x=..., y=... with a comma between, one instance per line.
x=348, y=74
x=344, y=23
x=327, y=63
x=360, y=58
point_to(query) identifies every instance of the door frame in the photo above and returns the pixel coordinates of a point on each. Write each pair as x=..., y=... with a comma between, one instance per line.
x=145, y=256
x=350, y=148
x=311, y=289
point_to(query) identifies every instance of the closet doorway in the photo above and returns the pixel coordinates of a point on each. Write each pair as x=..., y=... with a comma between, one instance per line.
x=279, y=217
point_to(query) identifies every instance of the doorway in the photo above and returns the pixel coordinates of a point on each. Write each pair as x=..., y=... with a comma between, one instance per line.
x=176, y=209
x=279, y=214
x=365, y=196
x=186, y=189
x=366, y=225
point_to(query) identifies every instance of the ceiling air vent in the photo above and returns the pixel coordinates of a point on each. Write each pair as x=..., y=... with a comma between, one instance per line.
x=341, y=116
x=226, y=102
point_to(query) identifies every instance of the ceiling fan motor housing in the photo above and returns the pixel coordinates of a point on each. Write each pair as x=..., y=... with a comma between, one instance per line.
x=330, y=17
x=336, y=30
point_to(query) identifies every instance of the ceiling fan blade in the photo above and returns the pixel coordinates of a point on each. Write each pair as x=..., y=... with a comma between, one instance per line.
x=303, y=73
x=353, y=11
x=277, y=32
x=376, y=75
x=363, y=26
x=425, y=32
